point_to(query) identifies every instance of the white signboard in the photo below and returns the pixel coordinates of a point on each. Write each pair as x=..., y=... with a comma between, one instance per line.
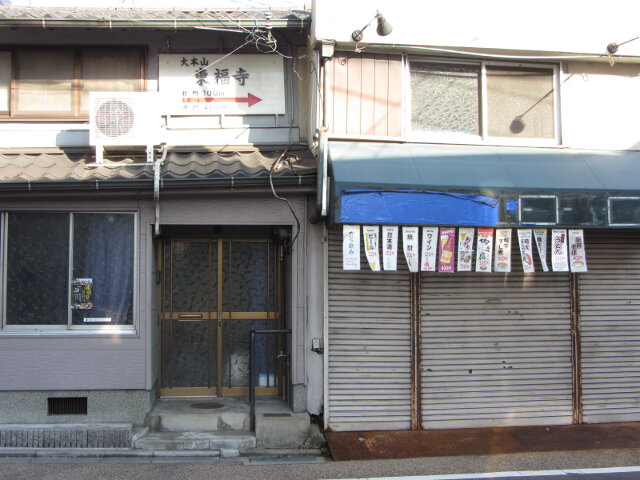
x=525, y=239
x=578, y=260
x=465, y=249
x=208, y=84
x=540, y=235
x=429, y=249
x=350, y=247
x=484, y=250
x=371, y=235
x=559, y=255
x=503, y=250
x=410, y=244
x=390, y=247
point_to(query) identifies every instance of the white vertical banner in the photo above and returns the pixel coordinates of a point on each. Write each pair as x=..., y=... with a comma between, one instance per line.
x=577, y=253
x=540, y=235
x=525, y=239
x=371, y=234
x=484, y=250
x=559, y=254
x=390, y=248
x=429, y=249
x=465, y=249
x=350, y=247
x=410, y=245
x=503, y=250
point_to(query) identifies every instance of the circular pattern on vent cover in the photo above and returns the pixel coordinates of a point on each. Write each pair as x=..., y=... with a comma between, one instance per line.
x=114, y=118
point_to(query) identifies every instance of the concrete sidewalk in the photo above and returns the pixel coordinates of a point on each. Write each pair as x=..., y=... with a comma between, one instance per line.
x=482, y=441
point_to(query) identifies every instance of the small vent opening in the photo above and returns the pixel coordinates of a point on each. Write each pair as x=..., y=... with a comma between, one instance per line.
x=67, y=405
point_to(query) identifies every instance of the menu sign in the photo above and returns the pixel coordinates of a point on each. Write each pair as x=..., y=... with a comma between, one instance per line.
x=578, y=260
x=371, y=237
x=447, y=248
x=465, y=249
x=350, y=247
x=429, y=249
x=559, y=256
x=540, y=235
x=526, y=250
x=410, y=244
x=390, y=247
x=484, y=250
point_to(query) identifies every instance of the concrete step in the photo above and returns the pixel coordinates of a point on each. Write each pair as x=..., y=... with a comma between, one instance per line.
x=225, y=443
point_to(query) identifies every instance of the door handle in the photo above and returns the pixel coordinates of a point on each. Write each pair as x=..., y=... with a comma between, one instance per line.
x=190, y=316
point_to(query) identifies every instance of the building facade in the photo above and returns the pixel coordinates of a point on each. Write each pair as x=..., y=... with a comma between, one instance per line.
x=155, y=184
x=479, y=186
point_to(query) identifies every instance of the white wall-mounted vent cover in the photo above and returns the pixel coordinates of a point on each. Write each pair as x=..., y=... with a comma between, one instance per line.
x=124, y=118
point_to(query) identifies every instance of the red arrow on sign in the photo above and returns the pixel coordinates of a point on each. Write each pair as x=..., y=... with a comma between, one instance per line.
x=250, y=100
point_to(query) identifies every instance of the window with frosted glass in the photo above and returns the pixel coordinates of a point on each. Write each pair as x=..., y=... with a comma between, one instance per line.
x=520, y=102
x=37, y=269
x=69, y=269
x=445, y=98
x=102, y=273
x=56, y=81
x=483, y=100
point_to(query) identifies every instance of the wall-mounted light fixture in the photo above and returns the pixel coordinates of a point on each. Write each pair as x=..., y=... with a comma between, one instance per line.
x=384, y=28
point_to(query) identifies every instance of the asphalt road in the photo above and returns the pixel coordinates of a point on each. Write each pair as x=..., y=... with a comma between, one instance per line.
x=319, y=468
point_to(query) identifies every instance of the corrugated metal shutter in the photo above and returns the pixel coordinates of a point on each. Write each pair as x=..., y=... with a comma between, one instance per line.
x=368, y=345
x=496, y=348
x=610, y=321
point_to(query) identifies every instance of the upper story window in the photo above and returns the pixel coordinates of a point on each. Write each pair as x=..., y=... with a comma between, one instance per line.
x=55, y=82
x=483, y=102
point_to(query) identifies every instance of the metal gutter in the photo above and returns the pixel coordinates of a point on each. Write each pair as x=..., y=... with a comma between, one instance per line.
x=308, y=181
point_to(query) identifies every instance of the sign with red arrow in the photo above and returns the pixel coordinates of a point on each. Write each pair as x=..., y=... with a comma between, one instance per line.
x=250, y=99
x=203, y=84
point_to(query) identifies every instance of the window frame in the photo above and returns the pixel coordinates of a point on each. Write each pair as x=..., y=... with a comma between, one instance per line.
x=68, y=327
x=76, y=89
x=483, y=138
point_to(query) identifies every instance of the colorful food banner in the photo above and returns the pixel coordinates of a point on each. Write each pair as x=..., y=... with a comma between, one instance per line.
x=540, y=235
x=446, y=250
x=350, y=247
x=559, y=255
x=484, y=250
x=429, y=249
x=578, y=260
x=410, y=245
x=371, y=235
x=503, y=250
x=465, y=249
x=525, y=239
x=390, y=248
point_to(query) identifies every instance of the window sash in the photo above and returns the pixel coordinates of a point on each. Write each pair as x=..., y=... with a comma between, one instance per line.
x=57, y=81
x=80, y=251
x=530, y=115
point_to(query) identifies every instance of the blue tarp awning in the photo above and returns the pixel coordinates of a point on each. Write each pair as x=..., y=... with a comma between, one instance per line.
x=388, y=183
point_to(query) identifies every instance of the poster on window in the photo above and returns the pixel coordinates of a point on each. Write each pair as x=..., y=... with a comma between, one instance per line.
x=447, y=250
x=350, y=247
x=484, y=250
x=371, y=235
x=503, y=250
x=390, y=248
x=559, y=256
x=540, y=235
x=465, y=249
x=578, y=256
x=525, y=239
x=429, y=249
x=82, y=294
x=410, y=245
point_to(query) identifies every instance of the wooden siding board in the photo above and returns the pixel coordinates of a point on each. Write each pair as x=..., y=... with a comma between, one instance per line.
x=367, y=117
x=340, y=97
x=381, y=92
x=354, y=95
x=394, y=101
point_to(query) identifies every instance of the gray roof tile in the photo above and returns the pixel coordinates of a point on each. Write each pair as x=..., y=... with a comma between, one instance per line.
x=75, y=167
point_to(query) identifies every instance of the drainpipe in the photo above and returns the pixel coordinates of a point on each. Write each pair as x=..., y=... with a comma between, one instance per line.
x=157, y=166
